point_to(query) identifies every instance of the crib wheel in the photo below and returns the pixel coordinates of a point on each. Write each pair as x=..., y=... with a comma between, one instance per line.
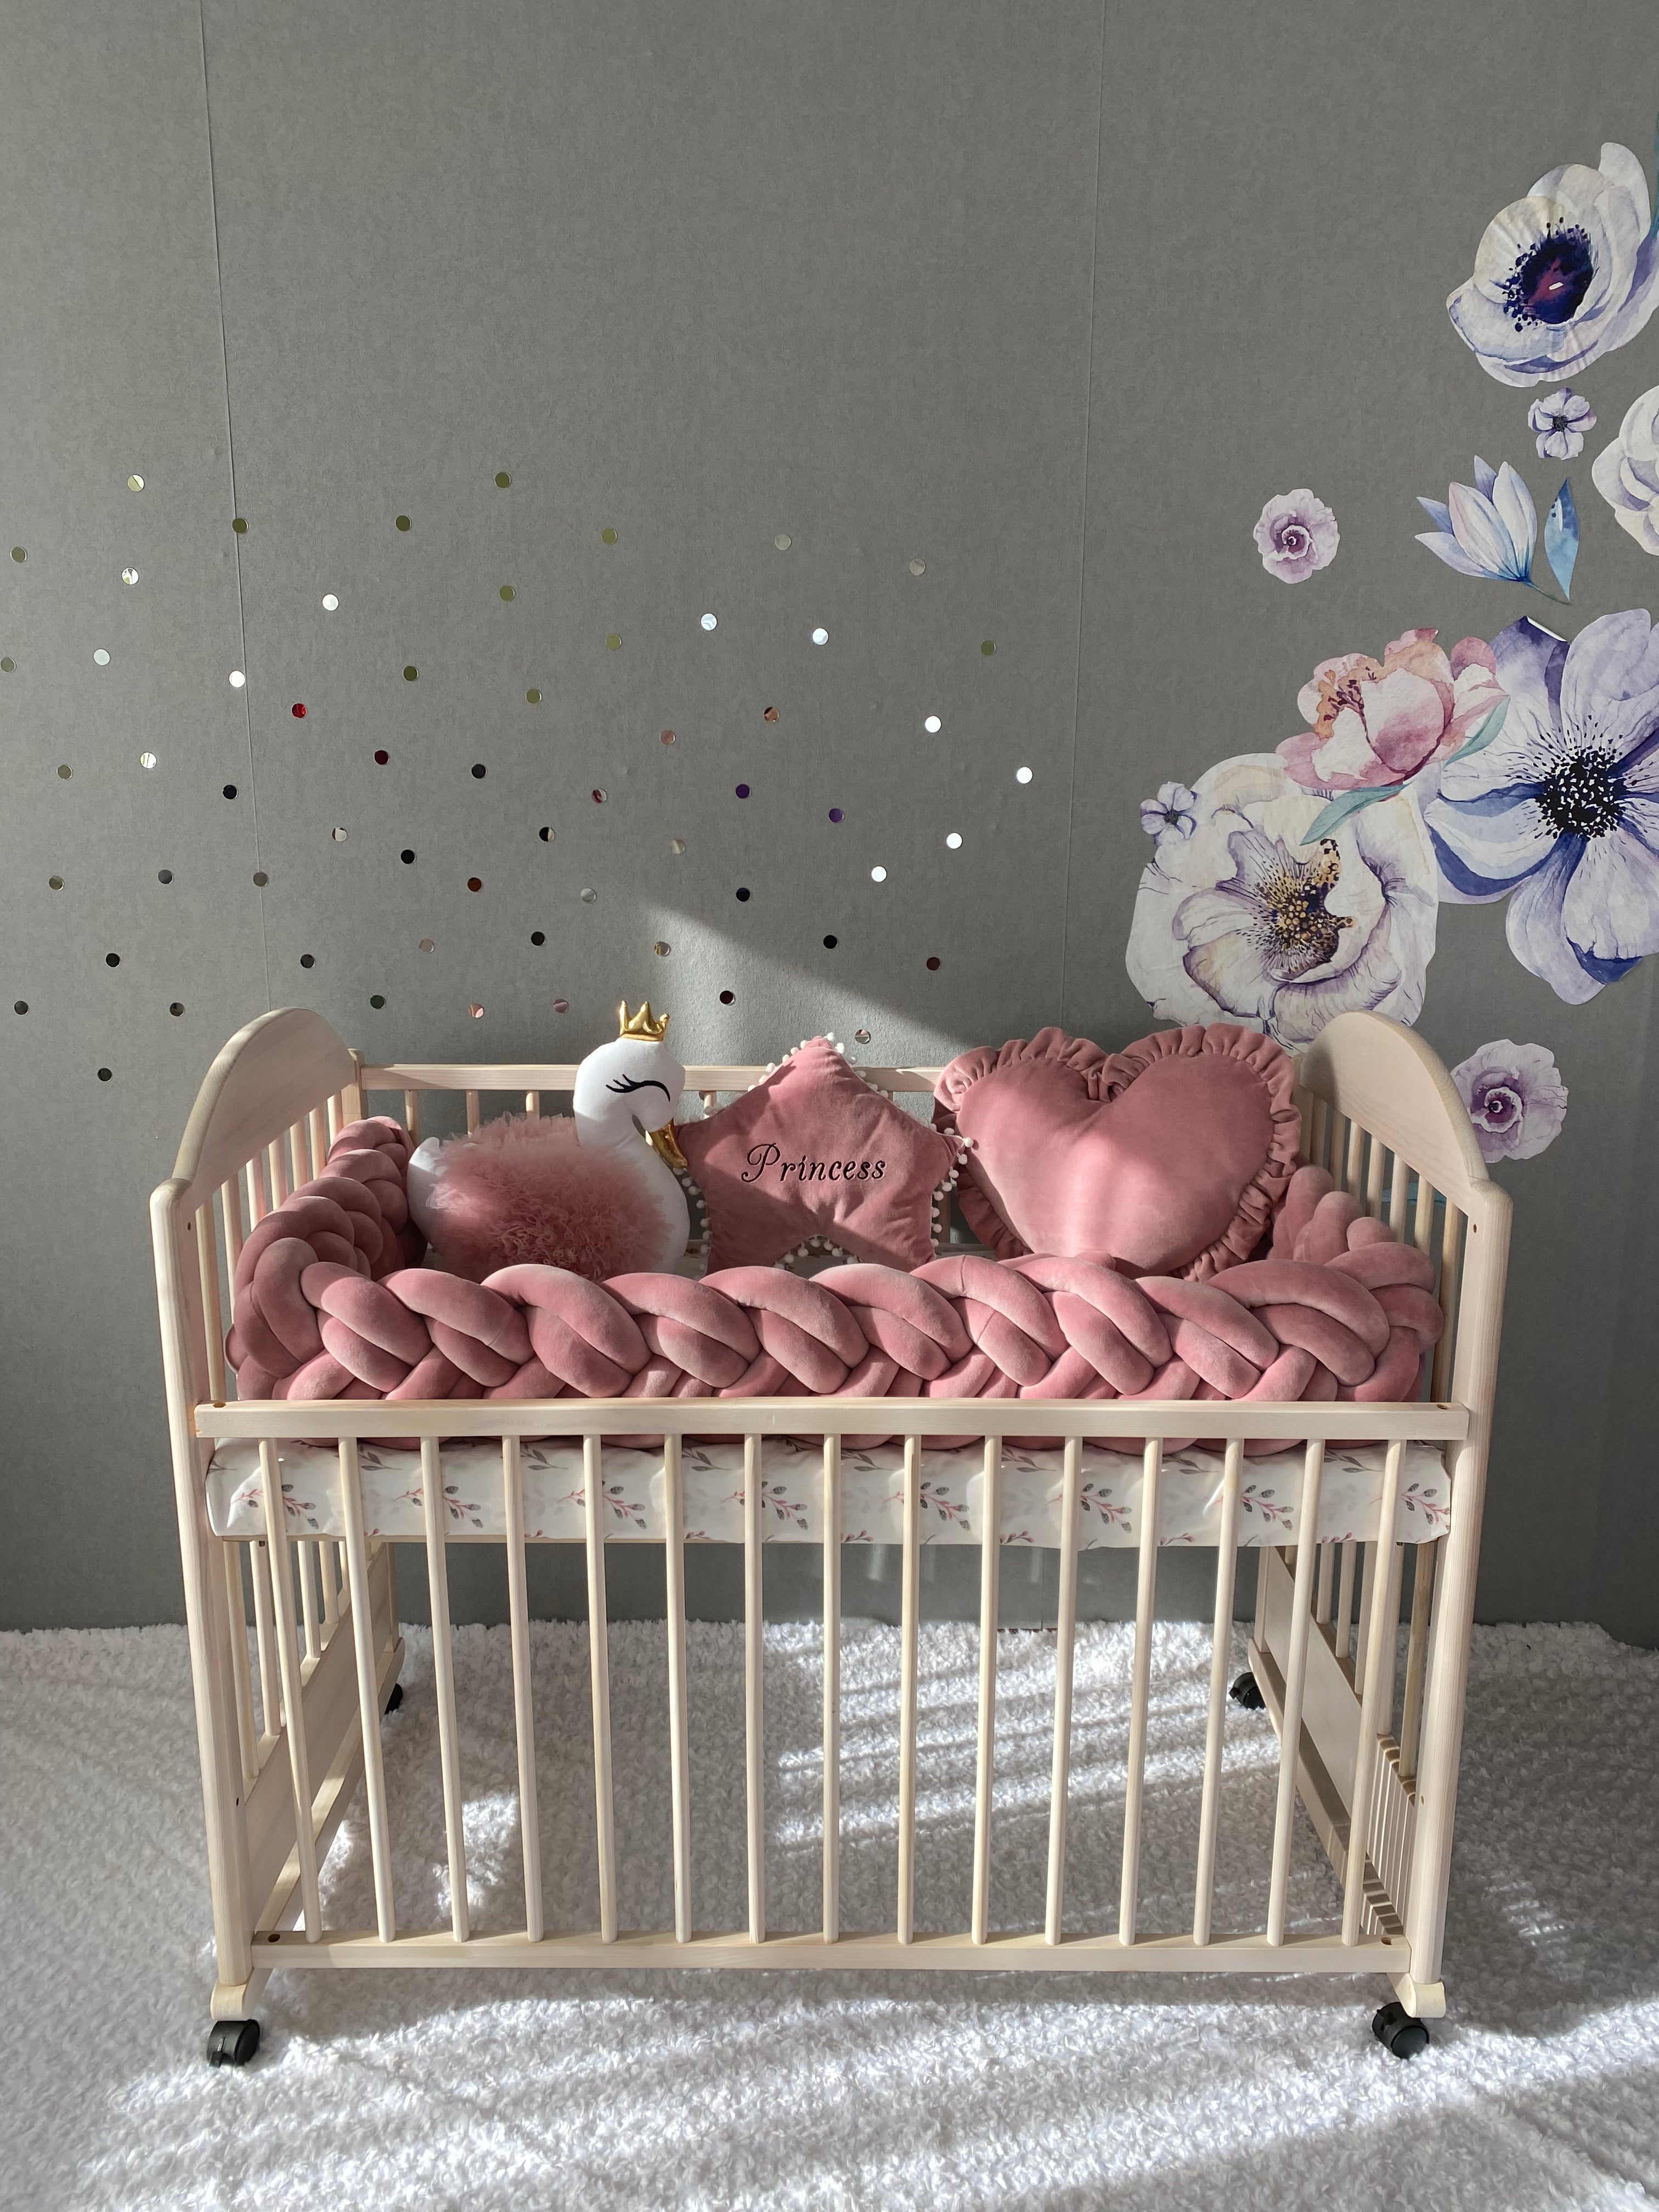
x=396, y=1698
x=1398, y=2031
x=1247, y=1693
x=233, y=2042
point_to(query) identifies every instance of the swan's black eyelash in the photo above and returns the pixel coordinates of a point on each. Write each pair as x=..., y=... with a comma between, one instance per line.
x=622, y=1084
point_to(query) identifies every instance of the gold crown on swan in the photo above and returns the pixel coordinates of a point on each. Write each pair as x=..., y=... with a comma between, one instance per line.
x=644, y=1024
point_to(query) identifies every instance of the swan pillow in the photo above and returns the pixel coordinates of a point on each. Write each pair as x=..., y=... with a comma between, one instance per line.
x=812, y=1154
x=1167, y=1158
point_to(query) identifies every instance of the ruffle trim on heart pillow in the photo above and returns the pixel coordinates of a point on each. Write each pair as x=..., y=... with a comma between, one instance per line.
x=1168, y=1157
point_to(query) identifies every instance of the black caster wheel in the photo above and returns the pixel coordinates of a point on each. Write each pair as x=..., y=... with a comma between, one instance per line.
x=1246, y=1692
x=396, y=1698
x=1399, y=2031
x=233, y=2042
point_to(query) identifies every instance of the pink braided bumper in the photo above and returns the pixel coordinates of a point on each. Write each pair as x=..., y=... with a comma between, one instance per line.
x=328, y=1305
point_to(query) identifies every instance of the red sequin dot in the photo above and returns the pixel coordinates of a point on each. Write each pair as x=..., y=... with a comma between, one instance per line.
x=382, y=757
x=299, y=712
x=933, y=960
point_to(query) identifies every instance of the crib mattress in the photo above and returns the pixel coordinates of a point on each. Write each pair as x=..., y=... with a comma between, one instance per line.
x=873, y=1494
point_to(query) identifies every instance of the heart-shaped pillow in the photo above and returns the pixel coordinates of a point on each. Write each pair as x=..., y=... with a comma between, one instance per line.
x=1167, y=1158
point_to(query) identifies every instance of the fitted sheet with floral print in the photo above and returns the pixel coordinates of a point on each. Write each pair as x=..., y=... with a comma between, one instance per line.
x=872, y=1492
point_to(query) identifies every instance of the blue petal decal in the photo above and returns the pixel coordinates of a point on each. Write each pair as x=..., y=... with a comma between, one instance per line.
x=1561, y=538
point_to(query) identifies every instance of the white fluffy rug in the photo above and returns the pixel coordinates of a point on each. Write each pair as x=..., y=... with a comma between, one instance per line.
x=384, y=2090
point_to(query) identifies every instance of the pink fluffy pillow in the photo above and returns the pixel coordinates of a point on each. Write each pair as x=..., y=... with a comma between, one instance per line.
x=520, y=1191
x=1167, y=1158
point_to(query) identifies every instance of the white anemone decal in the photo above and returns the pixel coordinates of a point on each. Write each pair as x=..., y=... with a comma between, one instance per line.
x=1244, y=920
x=1563, y=276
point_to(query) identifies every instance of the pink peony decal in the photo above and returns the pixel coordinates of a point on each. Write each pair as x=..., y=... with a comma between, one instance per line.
x=1516, y=1098
x=1296, y=535
x=1375, y=726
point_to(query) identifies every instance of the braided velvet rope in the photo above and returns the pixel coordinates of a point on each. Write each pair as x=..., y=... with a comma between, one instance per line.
x=328, y=1305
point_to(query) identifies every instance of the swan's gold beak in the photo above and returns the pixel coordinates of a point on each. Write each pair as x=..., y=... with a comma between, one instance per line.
x=664, y=1144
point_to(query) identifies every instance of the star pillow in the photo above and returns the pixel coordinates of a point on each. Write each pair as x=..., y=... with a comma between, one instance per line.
x=813, y=1153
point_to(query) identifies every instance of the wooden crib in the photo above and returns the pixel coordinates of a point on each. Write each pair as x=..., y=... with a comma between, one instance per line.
x=1372, y=1755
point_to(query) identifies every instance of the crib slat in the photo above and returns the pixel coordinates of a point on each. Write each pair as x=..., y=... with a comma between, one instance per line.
x=304, y=1552
x=236, y=1606
x=270, y=1704
x=1417, y=1652
x=335, y=1112
x=1451, y=1249
x=1353, y=1157
x=299, y=1167
x=1345, y=1601
x=412, y=1115
x=257, y=1207
x=831, y=1689
x=1373, y=1178
x=213, y=1321
x=1370, y=1657
x=909, y=1609
x=533, y=1105
x=524, y=1723
x=1368, y=1557
x=1327, y=1572
x=1064, y=1654
x=1140, y=1692
x=754, y=1683
x=328, y=1568
x=599, y=1661
x=680, y=1755
x=1399, y=1185
x=288, y=1653
x=316, y=1131
x=472, y=1111
x=1295, y=1678
x=1226, y=1572
x=277, y=1164
x=1423, y=1213
x=990, y=1551
x=230, y=1210
x=1391, y=1636
x=369, y=1686
x=443, y=1674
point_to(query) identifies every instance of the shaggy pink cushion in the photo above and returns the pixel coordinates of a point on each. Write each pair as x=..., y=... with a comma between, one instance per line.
x=523, y=1192
x=1168, y=1157
x=812, y=1151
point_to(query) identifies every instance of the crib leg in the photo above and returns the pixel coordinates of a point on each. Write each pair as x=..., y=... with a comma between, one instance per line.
x=234, y=2036
x=1398, y=2031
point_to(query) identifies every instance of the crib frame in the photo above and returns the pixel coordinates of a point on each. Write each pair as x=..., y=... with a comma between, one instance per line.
x=1362, y=1753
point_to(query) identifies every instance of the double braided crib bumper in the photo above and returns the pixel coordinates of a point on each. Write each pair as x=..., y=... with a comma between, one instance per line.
x=328, y=1305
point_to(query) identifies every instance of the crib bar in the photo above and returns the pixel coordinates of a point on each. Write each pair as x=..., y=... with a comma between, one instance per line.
x=1065, y=1652
x=1423, y=1218
x=599, y=1661
x=1140, y=1691
x=1367, y=1600
x=412, y=1115
x=1345, y=1600
x=533, y=1105
x=1451, y=1247
x=990, y=1549
x=1417, y=1653
x=1391, y=1596
x=317, y=1130
x=299, y=1167
x=369, y=1686
x=1400, y=1175
x=831, y=1689
x=288, y=1651
x=247, y=1740
x=257, y=1208
x=1369, y=1657
x=277, y=1162
x=472, y=1111
x=909, y=1630
x=524, y=1722
x=1354, y=1162
x=302, y=1552
x=230, y=1208
x=754, y=1685
x=443, y=1674
x=1373, y=1178
x=1226, y=1572
x=328, y=1568
x=270, y=1706
x=336, y=1113
x=679, y=1737
x=213, y=1325
x=1327, y=1572
x=1290, y=1735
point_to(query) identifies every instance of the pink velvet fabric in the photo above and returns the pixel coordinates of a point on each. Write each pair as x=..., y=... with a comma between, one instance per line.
x=523, y=1190
x=812, y=1151
x=1333, y=1311
x=1168, y=1157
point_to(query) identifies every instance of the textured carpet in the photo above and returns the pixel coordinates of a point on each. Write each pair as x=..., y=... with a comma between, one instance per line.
x=1541, y=2089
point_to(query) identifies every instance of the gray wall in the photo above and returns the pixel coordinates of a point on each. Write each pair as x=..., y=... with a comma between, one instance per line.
x=1048, y=299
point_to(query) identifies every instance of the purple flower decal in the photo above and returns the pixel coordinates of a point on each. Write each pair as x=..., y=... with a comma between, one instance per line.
x=1296, y=535
x=1560, y=422
x=1173, y=813
x=1627, y=473
x=1489, y=528
x=1559, y=813
x=1516, y=1098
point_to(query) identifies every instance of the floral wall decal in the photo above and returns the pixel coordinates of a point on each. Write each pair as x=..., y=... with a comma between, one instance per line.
x=1563, y=276
x=1627, y=472
x=1173, y=813
x=1489, y=528
x=1560, y=813
x=1247, y=920
x=1516, y=1098
x=1375, y=724
x=1560, y=422
x=1296, y=534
